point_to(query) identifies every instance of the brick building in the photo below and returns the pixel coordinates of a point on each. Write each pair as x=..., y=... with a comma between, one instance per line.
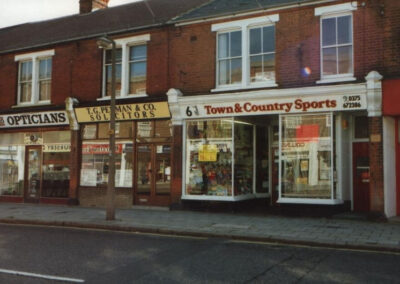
x=250, y=85
x=290, y=83
x=55, y=85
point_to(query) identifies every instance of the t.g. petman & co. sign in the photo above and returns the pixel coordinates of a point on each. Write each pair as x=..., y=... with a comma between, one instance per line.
x=34, y=119
x=278, y=106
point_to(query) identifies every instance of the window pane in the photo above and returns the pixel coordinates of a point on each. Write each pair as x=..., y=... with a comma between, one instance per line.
x=95, y=163
x=345, y=59
x=44, y=90
x=344, y=29
x=144, y=169
x=117, y=79
x=137, y=78
x=26, y=92
x=12, y=163
x=236, y=71
x=26, y=71
x=269, y=66
x=209, y=170
x=306, y=156
x=163, y=128
x=236, y=44
x=138, y=52
x=256, y=72
x=243, y=159
x=255, y=41
x=223, y=46
x=329, y=61
x=269, y=39
x=328, y=31
x=223, y=72
x=123, y=129
x=45, y=68
x=118, y=55
x=55, y=174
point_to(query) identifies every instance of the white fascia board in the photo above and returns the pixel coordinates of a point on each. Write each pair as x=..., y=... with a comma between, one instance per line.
x=44, y=53
x=269, y=19
x=348, y=89
x=339, y=8
x=132, y=39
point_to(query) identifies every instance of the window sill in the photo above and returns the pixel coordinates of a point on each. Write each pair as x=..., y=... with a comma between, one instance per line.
x=310, y=201
x=218, y=198
x=124, y=97
x=32, y=105
x=336, y=80
x=241, y=87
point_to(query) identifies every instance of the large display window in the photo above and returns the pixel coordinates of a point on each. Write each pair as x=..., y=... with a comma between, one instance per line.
x=95, y=154
x=51, y=177
x=306, y=158
x=219, y=159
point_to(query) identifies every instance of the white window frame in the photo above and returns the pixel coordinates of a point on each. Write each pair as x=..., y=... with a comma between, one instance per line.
x=335, y=11
x=125, y=44
x=35, y=57
x=244, y=26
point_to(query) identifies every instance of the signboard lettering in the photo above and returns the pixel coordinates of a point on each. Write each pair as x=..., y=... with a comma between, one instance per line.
x=33, y=119
x=123, y=112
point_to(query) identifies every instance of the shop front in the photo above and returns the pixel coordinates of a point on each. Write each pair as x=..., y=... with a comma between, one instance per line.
x=34, y=157
x=143, y=154
x=303, y=146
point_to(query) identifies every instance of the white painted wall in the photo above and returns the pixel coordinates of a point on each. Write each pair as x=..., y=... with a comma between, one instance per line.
x=389, y=163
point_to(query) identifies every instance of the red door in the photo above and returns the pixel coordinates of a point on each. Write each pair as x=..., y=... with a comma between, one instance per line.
x=361, y=177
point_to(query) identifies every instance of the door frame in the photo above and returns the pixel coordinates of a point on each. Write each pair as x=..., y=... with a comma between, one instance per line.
x=26, y=173
x=151, y=198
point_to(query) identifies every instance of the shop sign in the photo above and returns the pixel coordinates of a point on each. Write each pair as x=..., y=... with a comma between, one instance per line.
x=33, y=139
x=100, y=149
x=208, y=153
x=56, y=148
x=35, y=119
x=278, y=106
x=123, y=112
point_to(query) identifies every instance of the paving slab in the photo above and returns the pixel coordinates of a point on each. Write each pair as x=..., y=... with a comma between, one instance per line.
x=336, y=233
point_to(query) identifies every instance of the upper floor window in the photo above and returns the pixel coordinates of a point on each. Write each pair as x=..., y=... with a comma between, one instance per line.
x=131, y=67
x=34, y=77
x=246, y=53
x=337, y=62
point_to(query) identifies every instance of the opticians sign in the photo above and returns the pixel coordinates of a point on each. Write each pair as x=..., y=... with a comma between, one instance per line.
x=123, y=112
x=35, y=119
x=277, y=106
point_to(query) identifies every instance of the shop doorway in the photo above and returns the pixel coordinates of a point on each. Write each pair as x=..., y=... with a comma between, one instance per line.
x=33, y=180
x=153, y=174
x=361, y=177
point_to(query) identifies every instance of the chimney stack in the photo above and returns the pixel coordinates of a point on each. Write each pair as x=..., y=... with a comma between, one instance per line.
x=87, y=6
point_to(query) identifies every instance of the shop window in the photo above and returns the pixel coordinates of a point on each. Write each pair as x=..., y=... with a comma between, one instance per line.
x=246, y=53
x=34, y=77
x=154, y=131
x=306, y=157
x=131, y=67
x=336, y=42
x=12, y=162
x=95, y=155
x=219, y=159
x=361, y=127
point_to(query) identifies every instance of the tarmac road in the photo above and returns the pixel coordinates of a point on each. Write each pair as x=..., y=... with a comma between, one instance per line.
x=94, y=256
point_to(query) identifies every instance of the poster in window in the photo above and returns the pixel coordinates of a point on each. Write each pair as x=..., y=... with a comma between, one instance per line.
x=208, y=153
x=88, y=177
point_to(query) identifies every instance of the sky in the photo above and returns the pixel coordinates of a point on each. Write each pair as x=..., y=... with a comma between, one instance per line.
x=14, y=12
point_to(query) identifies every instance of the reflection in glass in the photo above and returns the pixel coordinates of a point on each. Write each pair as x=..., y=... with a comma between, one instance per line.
x=137, y=69
x=230, y=58
x=163, y=169
x=108, y=71
x=306, y=149
x=243, y=158
x=144, y=168
x=209, y=158
x=329, y=61
x=262, y=54
x=12, y=161
x=25, y=81
x=55, y=174
x=44, y=79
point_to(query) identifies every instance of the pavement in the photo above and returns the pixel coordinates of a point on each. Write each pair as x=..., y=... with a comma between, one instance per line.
x=322, y=232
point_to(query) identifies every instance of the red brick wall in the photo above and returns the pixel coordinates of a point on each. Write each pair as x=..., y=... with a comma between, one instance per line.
x=375, y=37
x=77, y=70
x=376, y=165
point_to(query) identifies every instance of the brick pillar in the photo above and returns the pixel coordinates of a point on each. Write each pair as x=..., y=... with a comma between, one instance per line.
x=376, y=165
x=74, y=167
x=176, y=182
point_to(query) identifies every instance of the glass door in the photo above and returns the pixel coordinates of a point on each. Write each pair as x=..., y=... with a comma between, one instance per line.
x=153, y=173
x=33, y=174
